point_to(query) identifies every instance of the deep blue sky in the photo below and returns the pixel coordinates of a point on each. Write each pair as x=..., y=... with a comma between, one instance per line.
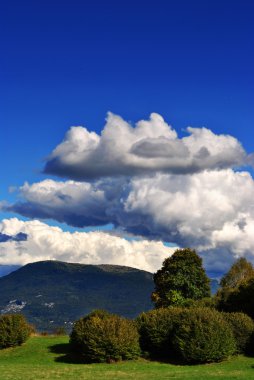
x=67, y=63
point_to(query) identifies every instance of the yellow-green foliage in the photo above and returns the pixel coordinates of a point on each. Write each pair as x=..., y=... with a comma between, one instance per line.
x=104, y=337
x=202, y=335
x=240, y=272
x=236, y=291
x=14, y=330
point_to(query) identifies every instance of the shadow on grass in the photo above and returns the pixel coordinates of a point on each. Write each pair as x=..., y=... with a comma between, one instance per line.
x=65, y=354
x=178, y=361
x=166, y=360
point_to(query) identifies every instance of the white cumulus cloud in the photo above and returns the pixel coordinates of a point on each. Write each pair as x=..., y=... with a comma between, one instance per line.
x=150, y=146
x=147, y=181
x=212, y=211
x=45, y=242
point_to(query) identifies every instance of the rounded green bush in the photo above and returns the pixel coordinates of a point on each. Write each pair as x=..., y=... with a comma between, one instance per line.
x=202, y=335
x=155, y=329
x=104, y=337
x=243, y=327
x=14, y=330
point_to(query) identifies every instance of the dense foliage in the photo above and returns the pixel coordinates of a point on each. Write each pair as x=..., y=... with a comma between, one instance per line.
x=243, y=327
x=240, y=272
x=202, y=335
x=14, y=330
x=104, y=337
x=239, y=300
x=210, y=302
x=237, y=289
x=156, y=328
x=181, y=277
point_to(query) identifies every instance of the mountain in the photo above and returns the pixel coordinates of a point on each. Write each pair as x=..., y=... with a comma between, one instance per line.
x=6, y=269
x=53, y=293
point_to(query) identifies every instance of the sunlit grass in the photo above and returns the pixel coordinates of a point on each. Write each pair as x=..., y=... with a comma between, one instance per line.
x=47, y=358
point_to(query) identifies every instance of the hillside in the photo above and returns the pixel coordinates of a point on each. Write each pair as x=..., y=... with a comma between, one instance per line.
x=6, y=269
x=53, y=293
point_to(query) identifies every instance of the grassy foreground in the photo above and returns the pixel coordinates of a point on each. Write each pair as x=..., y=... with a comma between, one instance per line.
x=47, y=358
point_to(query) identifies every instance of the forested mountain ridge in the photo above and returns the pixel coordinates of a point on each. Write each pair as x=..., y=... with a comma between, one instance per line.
x=53, y=293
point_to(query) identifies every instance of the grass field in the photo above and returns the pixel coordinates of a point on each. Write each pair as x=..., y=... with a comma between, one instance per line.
x=47, y=358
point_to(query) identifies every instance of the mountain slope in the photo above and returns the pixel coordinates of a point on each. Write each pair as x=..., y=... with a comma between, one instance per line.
x=53, y=293
x=6, y=269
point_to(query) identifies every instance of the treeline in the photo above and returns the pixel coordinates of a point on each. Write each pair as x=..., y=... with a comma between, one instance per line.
x=187, y=323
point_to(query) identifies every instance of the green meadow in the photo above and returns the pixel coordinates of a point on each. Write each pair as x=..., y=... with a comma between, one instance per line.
x=48, y=358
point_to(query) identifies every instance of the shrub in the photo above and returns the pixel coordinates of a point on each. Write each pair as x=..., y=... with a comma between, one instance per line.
x=202, y=335
x=14, y=330
x=155, y=328
x=104, y=337
x=243, y=327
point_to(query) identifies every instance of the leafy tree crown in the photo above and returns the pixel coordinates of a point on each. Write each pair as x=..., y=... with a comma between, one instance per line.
x=239, y=273
x=181, y=277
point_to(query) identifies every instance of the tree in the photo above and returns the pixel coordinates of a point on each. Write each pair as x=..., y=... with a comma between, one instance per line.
x=181, y=277
x=235, y=286
x=240, y=272
x=239, y=300
x=238, y=276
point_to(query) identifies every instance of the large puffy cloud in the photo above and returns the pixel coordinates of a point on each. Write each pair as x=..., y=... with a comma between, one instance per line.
x=74, y=203
x=150, y=146
x=212, y=211
x=149, y=182
x=51, y=243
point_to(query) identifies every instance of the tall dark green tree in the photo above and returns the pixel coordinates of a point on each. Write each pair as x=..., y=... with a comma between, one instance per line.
x=181, y=277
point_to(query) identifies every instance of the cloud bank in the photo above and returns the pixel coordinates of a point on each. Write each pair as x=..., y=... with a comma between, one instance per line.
x=147, y=181
x=51, y=243
x=149, y=147
x=212, y=211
